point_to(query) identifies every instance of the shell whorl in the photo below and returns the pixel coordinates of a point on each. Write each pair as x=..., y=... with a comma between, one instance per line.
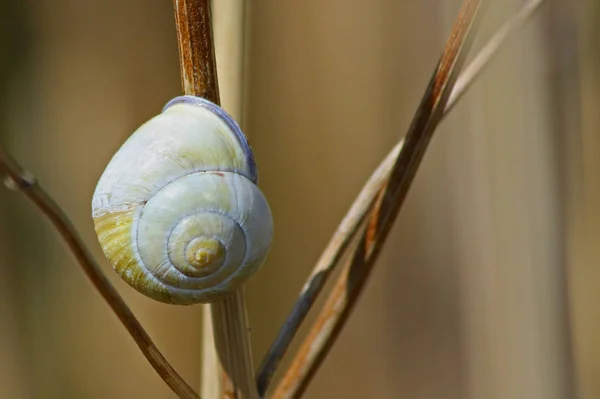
x=177, y=210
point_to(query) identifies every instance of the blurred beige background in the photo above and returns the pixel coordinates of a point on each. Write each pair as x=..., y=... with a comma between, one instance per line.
x=492, y=269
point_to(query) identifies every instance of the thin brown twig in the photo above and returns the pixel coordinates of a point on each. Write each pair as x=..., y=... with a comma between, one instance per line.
x=390, y=199
x=199, y=78
x=18, y=179
x=362, y=204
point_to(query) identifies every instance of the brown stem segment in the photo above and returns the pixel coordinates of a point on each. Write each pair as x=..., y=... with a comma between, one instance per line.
x=385, y=209
x=196, y=49
x=18, y=179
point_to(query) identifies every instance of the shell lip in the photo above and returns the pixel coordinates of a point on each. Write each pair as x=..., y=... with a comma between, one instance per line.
x=228, y=120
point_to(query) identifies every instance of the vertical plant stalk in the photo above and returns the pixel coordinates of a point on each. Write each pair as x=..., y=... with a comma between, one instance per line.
x=233, y=346
x=229, y=26
x=229, y=317
x=385, y=209
x=211, y=383
x=348, y=227
x=196, y=49
x=18, y=179
x=228, y=18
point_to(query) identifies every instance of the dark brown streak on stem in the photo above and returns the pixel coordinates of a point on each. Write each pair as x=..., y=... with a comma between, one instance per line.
x=348, y=288
x=371, y=231
x=18, y=179
x=196, y=49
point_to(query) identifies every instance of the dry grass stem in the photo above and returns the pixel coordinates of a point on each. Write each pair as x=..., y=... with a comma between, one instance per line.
x=196, y=49
x=229, y=28
x=229, y=317
x=210, y=379
x=385, y=209
x=18, y=179
x=362, y=204
x=227, y=24
x=233, y=346
x=475, y=67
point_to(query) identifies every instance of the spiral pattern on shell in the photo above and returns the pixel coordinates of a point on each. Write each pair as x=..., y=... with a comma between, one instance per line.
x=177, y=210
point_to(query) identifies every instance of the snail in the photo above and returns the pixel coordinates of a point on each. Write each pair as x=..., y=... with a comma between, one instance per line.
x=178, y=212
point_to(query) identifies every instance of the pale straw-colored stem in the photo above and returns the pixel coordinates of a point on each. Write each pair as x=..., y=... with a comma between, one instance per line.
x=211, y=383
x=228, y=371
x=229, y=18
x=231, y=333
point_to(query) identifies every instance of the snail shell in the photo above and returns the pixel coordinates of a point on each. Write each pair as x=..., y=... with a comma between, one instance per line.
x=177, y=210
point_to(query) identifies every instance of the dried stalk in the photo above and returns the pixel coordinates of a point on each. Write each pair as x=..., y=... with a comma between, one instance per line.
x=199, y=78
x=362, y=204
x=228, y=28
x=233, y=346
x=211, y=383
x=196, y=49
x=385, y=209
x=18, y=179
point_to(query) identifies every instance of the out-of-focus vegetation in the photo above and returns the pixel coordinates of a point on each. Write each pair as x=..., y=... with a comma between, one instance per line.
x=494, y=294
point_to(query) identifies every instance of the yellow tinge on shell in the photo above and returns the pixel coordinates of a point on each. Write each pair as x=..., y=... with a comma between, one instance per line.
x=177, y=210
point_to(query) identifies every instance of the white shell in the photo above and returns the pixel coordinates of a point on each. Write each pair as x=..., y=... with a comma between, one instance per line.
x=177, y=210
